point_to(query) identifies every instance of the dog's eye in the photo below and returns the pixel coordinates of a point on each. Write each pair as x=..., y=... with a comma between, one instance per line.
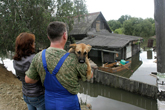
x=85, y=53
x=79, y=52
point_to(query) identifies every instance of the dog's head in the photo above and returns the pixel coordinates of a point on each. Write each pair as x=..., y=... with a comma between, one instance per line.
x=81, y=50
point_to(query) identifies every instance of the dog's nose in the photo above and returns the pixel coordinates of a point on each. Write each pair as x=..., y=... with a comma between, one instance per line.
x=82, y=61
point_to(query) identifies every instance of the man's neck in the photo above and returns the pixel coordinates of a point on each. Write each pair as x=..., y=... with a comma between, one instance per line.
x=56, y=45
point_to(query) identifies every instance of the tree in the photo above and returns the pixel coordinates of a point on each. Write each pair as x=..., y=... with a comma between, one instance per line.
x=133, y=26
x=153, y=29
x=128, y=26
x=146, y=29
x=119, y=31
x=124, y=18
x=150, y=20
x=23, y=16
x=138, y=27
x=114, y=24
x=67, y=9
x=33, y=16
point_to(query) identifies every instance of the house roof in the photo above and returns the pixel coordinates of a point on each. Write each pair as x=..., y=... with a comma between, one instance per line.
x=84, y=24
x=105, y=39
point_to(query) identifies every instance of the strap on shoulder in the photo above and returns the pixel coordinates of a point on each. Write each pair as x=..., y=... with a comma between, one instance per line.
x=44, y=60
x=57, y=68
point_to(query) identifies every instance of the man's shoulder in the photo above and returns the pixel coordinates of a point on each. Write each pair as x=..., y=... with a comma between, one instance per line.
x=72, y=57
x=37, y=56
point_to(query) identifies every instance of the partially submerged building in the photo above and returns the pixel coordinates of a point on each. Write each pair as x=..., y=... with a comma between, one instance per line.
x=82, y=26
x=94, y=30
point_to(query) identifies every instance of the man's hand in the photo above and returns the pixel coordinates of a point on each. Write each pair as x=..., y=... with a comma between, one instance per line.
x=29, y=80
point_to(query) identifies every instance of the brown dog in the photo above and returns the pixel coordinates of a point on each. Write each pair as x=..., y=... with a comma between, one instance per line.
x=81, y=50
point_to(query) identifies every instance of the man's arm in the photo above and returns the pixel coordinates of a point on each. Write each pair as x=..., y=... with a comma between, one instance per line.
x=29, y=80
x=32, y=74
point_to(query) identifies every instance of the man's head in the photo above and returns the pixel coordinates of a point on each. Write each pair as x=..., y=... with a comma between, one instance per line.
x=56, y=30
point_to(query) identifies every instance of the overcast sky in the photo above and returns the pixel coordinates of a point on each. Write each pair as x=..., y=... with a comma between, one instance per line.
x=114, y=9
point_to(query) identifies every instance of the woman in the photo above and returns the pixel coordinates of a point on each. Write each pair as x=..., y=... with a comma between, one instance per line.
x=33, y=94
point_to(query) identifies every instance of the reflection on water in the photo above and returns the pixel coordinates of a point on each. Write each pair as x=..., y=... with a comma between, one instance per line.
x=6, y=60
x=149, y=54
x=103, y=97
x=8, y=64
x=141, y=67
x=142, y=73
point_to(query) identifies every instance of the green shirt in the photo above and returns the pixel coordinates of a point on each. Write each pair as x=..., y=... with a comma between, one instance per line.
x=68, y=73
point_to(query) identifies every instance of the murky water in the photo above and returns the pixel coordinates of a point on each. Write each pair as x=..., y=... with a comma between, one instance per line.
x=103, y=97
x=143, y=73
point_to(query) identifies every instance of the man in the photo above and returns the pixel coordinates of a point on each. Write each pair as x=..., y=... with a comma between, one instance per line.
x=58, y=75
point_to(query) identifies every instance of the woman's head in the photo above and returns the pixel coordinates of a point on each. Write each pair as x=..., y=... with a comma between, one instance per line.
x=24, y=45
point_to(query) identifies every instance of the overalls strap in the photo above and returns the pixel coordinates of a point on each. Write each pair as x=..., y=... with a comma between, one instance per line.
x=57, y=68
x=44, y=60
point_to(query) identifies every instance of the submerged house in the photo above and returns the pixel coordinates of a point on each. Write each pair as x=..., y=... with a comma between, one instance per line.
x=94, y=30
x=92, y=20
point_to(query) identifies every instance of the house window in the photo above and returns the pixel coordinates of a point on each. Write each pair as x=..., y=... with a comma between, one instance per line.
x=128, y=51
x=97, y=25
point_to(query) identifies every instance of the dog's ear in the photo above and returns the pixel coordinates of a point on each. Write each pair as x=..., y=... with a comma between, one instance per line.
x=73, y=46
x=89, y=47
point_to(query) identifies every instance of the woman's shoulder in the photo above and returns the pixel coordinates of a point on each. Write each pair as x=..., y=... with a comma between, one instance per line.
x=29, y=58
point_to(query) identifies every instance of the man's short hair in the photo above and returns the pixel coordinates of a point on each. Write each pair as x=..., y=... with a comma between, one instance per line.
x=55, y=30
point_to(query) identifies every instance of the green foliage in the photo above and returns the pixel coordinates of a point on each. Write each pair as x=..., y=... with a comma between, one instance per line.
x=113, y=24
x=119, y=31
x=23, y=16
x=138, y=27
x=153, y=29
x=33, y=16
x=124, y=18
x=67, y=9
x=146, y=28
x=72, y=39
x=133, y=26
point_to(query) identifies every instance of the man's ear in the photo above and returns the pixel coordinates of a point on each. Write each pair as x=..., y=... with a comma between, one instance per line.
x=65, y=35
x=48, y=37
x=89, y=47
x=73, y=46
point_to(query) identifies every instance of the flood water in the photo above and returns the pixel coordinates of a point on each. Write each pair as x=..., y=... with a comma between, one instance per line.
x=103, y=97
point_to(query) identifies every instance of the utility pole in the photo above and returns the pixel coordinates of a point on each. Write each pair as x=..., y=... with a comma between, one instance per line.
x=159, y=16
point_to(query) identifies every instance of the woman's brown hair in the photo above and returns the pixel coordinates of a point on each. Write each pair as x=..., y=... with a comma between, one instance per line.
x=24, y=45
